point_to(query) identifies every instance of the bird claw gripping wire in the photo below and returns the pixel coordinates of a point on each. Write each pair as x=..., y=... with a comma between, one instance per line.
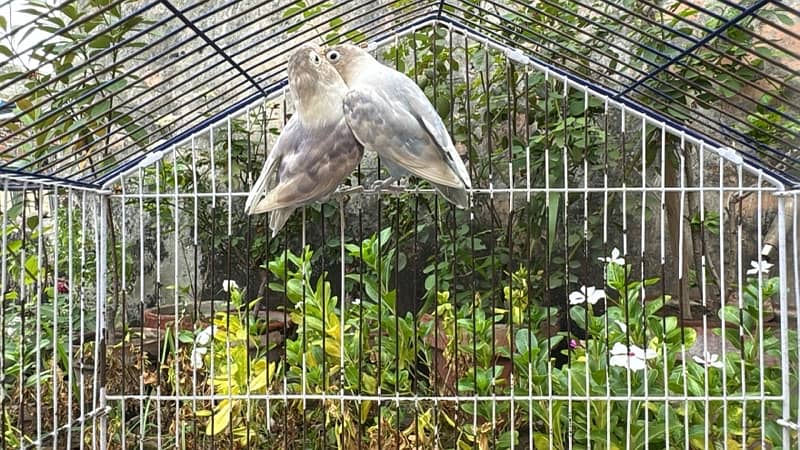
x=388, y=185
x=343, y=191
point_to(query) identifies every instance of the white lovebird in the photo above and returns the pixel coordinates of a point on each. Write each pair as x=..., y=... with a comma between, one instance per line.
x=315, y=151
x=390, y=115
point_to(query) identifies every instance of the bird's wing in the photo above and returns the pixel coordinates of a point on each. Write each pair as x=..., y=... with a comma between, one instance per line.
x=395, y=119
x=427, y=114
x=314, y=168
x=289, y=139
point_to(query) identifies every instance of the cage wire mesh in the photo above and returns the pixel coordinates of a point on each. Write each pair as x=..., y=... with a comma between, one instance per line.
x=627, y=276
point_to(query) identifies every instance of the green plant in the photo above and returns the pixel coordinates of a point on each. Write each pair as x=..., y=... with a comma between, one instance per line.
x=89, y=114
x=626, y=352
x=46, y=323
x=475, y=354
x=235, y=365
x=361, y=346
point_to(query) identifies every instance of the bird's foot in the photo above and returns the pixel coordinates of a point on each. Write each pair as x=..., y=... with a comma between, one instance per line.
x=343, y=191
x=388, y=185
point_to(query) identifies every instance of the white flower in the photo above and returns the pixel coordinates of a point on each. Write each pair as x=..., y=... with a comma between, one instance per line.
x=621, y=326
x=201, y=346
x=229, y=284
x=710, y=360
x=633, y=358
x=584, y=294
x=356, y=301
x=197, y=356
x=204, y=337
x=759, y=266
x=298, y=306
x=615, y=258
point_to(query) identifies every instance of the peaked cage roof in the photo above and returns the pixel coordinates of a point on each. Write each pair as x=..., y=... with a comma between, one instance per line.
x=97, y=87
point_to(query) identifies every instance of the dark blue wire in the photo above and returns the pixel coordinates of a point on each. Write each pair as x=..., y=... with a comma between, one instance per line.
x=223, y=114
x=733, y=21
x=749, y=159
x=213, y=44
x=22, y=177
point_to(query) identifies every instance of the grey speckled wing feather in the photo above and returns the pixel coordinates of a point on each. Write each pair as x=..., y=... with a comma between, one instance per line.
x=289, y=139
x=383, y=124
x=304, y=166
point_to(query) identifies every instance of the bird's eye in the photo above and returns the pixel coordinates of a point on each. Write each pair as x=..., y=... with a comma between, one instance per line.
x=314, y=58
x=333, y=55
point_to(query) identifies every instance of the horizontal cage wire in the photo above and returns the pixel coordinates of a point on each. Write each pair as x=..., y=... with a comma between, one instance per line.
x=626, y=275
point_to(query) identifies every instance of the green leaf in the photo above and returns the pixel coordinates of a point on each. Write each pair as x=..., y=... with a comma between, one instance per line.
x=75, y=126
x=729, y=314
x=137, y=133
x=5, y=51
x=785, y=19
x=117, y=85
x=102, y=41
x=32, y=266
x=521, y=341
x=578, y=315
x=32, y=222
x=186, y=337
x=221, y=419
x=332, y=38
x=506, y=439
x=554, y=200
x=292, y=10
x=9, y=75
x=14, y=246
x=355, y=36
x=483, y=380
x=24, y=104
x=99, y=109
x=653, y=306
x=70, y=11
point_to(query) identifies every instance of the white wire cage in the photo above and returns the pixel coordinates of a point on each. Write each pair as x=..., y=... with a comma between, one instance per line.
x=620, y=282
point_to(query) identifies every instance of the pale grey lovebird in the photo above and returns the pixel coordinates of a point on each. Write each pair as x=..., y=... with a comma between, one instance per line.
x=315, y=151
x=390, y=115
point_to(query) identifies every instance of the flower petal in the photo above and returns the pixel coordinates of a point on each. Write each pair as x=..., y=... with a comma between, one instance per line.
x=197, y=358
x=636, y=351
x=619, y=360
x=636, y=364
x=595, y=295
x=759, y=267
x=576, y=298
x=616, y=257
x=204, y=337
x=619, y=349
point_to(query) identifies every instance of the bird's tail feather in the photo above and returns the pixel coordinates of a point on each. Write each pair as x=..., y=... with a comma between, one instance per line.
x=254, y=203
x=456, y=196
x=278, y=218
